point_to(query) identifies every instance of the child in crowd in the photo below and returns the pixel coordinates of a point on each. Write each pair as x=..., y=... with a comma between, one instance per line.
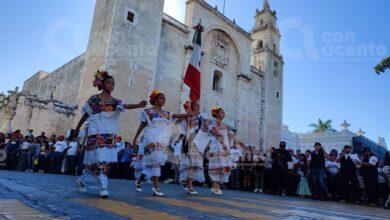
x=301, y=169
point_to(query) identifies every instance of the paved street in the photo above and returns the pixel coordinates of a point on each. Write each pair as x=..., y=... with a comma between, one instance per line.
x=47, y=196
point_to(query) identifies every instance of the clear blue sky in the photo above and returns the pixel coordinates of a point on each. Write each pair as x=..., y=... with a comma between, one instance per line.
x=329, y=46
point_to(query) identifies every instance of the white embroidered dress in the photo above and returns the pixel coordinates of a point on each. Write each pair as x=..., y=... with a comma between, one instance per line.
x=155, y=140
x=103, y=126
x=191, y=162
x=220, y=163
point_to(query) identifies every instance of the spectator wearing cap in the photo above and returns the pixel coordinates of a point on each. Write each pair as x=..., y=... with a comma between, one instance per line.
x=369, y=171
x=332, y=177
x=317, y=172
x=280, y=157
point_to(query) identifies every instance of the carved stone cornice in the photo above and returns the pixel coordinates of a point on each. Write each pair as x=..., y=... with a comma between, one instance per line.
x=266, y=27
x=231, y=23
x=11, y=101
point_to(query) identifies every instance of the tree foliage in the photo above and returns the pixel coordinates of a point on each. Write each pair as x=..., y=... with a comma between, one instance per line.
x=382, y=66
x=322, y=126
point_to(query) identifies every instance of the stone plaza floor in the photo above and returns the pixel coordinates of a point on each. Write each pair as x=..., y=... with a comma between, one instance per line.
x=47, y=196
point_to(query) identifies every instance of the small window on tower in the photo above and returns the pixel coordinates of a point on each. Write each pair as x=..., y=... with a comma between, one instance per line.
x=260, y=45
x=130, y=16
x=277, y=94
x=275, y=74
x=217, y=81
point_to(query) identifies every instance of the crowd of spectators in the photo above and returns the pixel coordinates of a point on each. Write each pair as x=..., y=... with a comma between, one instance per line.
x=354, y=177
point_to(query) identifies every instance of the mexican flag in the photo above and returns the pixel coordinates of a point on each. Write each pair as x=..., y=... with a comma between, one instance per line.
x=192, y=77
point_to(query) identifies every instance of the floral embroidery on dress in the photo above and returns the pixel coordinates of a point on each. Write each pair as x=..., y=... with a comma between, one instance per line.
x=100, y=140
x=154, y=115
x=97, y=105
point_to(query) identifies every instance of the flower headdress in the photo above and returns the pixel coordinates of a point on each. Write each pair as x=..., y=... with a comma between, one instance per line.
x=152, y=96
x=187, y=105
x=100, y=76
x=16, y=134
x=214, y=111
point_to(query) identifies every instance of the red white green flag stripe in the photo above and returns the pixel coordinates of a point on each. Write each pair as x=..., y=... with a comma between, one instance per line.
x=193, y=75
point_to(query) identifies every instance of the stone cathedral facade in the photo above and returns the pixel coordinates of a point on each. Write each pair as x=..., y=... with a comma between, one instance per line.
x=143, y=49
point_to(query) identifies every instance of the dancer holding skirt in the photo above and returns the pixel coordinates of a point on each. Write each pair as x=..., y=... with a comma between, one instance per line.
x=156, y=124
x=219, y=163
x=197, y=138
x=102, y=114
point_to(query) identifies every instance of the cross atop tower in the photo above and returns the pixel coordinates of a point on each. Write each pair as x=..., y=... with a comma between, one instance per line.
x=266, y=5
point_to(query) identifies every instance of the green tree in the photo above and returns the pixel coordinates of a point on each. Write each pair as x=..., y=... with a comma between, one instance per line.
x=322, y=126
x=382, y=66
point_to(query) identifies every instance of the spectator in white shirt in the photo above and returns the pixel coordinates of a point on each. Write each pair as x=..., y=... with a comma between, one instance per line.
x=332, y=169
x=70, y=168
x=23, y=156
x=59, y=149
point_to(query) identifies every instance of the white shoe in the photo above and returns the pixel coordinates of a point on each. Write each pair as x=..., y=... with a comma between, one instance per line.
x=256, y=190
x=138, y=188
x=168, y=181
x=81, y=186
x=216, y=191
x=157, y=193
x=260, y=190
x=103, y=193
x=192, y=192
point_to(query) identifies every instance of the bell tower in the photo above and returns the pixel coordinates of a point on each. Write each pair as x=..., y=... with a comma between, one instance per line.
x=266, y=57
x=124, y=40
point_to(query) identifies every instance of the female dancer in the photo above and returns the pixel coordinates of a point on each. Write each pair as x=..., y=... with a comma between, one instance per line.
x=219, y=162
x=157, y=133
x=191, y=162
x=102, y=113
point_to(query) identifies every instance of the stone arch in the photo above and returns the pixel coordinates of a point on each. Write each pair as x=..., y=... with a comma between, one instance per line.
x=238, y=47
x=222, y=58
x=232, y=43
